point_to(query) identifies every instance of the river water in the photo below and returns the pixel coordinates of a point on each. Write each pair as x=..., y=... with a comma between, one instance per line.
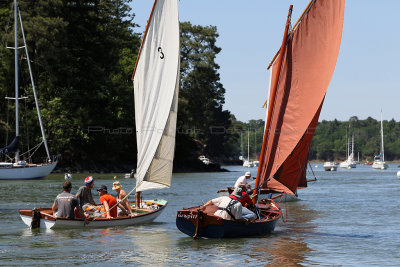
x=347, y=217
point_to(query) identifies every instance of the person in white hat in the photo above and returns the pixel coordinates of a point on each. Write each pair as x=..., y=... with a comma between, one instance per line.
x=243, y=179
x=124, y=209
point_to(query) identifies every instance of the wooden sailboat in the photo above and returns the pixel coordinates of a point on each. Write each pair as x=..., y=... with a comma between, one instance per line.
x=21, y=167
x=301, y=75
x=156, y=85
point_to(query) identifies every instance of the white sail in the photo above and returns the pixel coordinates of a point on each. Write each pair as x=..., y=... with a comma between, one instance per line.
x=156, y=84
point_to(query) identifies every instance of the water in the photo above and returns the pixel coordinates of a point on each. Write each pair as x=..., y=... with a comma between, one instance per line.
x=348, y=217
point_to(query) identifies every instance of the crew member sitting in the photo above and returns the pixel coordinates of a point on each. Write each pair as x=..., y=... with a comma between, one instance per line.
x=108, y=201
x=240, y=194
x=243, y=179
x=124, y=209
x=65, y=204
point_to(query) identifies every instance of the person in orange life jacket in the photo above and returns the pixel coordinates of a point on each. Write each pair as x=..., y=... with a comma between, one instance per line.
x=108, y=201
x=240, y=194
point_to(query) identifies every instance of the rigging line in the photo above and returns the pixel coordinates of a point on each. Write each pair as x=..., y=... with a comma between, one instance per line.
x=36, y=148
x=26, y=127
x=315, y=177
x=8, y=118
x=293, y=29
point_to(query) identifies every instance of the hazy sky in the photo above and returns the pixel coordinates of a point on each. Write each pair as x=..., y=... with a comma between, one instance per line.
x=367, y=74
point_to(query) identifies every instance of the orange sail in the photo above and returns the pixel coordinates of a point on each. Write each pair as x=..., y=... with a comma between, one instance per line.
x=309, y=59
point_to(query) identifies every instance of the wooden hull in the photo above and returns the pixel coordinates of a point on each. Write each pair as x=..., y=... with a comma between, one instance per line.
x=201, y=222
x=27, y=172
x=48, y=221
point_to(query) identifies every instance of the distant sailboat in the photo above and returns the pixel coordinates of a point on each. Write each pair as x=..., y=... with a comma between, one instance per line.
x=255, y=162
x=379, y=160
x=247, y=162
x=17, y=168
x=349, y=162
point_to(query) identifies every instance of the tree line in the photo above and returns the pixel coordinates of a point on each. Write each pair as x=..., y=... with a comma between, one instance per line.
x=82, y=55
x=331, y=137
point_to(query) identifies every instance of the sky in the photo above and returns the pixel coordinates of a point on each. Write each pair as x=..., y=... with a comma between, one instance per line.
x=367, y=73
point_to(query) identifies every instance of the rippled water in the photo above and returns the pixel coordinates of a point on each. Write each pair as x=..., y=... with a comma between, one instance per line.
x=348, y=217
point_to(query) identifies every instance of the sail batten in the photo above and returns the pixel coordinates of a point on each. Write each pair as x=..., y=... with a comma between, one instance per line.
x=308, y=64
x=156, y=84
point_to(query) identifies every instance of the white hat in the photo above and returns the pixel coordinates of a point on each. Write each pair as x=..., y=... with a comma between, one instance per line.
x=247, y=174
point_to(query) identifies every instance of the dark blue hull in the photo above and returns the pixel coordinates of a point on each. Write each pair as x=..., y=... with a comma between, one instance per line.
x=227, y=228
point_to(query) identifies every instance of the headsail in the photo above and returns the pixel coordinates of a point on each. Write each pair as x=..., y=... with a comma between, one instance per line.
x=12, y=147
x=309, y=60
x=156, y=84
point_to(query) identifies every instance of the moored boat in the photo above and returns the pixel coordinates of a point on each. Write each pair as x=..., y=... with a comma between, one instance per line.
x=379, y=160
x=24, y=168
x=330, y=166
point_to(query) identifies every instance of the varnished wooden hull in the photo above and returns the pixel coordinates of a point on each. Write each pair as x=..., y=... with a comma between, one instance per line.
x=48, y=221
x=211, y=226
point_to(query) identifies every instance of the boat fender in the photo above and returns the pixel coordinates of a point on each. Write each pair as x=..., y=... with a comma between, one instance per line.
x=228, y=208
x=35, y=219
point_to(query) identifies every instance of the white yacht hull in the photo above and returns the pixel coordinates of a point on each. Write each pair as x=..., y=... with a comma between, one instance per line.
x=330, y=166
x=379, y=166
x=29, y=171
x=247, y=164
x=347, y=165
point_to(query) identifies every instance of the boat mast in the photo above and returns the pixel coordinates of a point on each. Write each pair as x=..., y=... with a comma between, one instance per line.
x=34, y=89
x=144, y=38
x=352, y=147
x=16, y=76
x=138, y=194
x=241, y=145
x=271, y=104
x=347, y=144
x=248, y=145
x=255, y=144
x=382, y=149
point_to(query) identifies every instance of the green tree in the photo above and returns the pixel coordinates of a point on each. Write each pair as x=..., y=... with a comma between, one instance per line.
x=201, y=93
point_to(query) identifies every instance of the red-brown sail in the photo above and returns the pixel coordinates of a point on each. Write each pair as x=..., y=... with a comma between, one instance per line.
x=308, y=64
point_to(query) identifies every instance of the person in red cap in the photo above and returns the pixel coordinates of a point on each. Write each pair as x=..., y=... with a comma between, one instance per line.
x=109, y=202
x=84, y=194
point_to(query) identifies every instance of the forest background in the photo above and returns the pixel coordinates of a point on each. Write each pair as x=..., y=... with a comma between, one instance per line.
x=82, y=55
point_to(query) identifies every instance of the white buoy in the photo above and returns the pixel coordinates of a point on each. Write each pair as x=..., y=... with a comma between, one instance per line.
x=68, y=176
x=398, y=174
